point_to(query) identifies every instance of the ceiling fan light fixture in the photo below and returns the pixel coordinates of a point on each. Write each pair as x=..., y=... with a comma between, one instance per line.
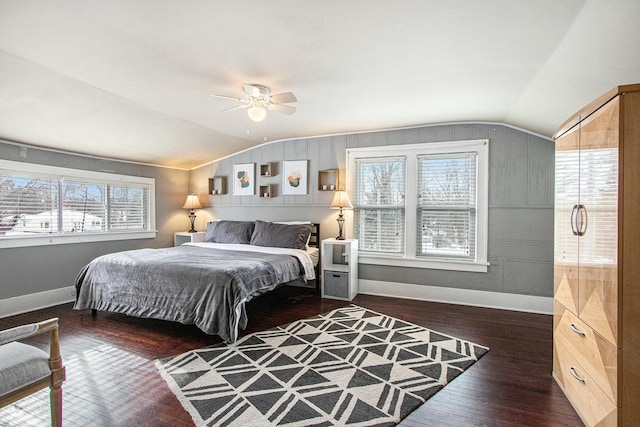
x=257, y=114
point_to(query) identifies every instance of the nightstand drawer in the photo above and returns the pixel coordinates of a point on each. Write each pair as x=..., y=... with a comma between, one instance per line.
x=336, y=284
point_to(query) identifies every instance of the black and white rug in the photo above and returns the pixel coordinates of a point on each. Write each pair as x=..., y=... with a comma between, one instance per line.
x=351, y=366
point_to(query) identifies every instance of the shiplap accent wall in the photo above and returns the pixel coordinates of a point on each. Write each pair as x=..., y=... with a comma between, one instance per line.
x=521, y=197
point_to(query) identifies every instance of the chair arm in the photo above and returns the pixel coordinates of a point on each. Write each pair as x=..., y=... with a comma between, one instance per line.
x=26, y=331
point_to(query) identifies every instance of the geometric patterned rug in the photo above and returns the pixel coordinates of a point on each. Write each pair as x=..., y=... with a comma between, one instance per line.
x=351, y=366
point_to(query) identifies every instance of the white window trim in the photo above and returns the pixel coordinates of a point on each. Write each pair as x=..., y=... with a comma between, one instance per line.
x=411, y=151
x=54, y=171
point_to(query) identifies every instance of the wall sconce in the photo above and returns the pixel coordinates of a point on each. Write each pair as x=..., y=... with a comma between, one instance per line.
x=192, y=203
x=340, y=201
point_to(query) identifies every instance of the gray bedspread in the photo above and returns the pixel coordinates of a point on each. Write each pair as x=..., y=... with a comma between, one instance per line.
x=187, y=284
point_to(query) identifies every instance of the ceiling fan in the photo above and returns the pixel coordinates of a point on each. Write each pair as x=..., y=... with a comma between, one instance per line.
x=258, y=99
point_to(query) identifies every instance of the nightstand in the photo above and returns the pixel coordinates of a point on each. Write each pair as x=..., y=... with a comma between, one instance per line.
x=184, y=237
x=339, y=269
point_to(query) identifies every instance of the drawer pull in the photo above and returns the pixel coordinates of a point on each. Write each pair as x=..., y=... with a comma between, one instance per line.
x=575, y=375
x=576, y=330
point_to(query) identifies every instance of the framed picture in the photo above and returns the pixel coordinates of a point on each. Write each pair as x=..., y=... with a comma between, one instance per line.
x=294, y=177
x=244, y=179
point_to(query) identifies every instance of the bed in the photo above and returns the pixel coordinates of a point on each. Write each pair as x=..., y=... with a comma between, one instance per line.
x=206, y=284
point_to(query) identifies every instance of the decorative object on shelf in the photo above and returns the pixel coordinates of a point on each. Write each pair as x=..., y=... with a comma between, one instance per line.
x=341, y=201
x=294, y=177
x=192, y=203
x=244, y=179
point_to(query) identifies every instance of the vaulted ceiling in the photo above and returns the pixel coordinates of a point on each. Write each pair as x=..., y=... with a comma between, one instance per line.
x=132, y=79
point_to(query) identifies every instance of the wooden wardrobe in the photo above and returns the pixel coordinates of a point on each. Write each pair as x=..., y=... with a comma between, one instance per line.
x=596, y=342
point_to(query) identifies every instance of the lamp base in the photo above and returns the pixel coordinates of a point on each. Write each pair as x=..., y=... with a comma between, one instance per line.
x=340, y=225
x=192, y=217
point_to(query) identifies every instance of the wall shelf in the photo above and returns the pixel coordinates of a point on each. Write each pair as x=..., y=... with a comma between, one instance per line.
x=266, y=191
x=267, y=169
x=328, y=180
x=218, y=185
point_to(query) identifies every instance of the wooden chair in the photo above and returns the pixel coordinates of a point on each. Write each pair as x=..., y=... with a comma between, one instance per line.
x=25, y=369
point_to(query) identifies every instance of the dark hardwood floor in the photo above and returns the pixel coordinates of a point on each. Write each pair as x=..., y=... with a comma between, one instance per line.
x=112, y=381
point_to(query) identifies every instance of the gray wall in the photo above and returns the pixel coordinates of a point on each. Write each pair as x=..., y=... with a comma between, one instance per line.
x=520, y=201
x=34, y=269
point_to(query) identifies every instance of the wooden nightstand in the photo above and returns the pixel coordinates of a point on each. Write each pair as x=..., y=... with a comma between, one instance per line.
x=340, y=269
x=184, y=237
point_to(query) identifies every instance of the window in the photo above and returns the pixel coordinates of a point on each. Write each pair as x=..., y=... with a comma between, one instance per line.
x=422, y=205
x=379, y=203
x=45, y=204
x=447, y=205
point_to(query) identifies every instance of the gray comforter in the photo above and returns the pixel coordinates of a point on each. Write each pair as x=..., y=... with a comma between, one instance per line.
x=187, y=284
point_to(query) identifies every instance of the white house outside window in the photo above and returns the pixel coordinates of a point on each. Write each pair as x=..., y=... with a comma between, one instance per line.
x=422, y=205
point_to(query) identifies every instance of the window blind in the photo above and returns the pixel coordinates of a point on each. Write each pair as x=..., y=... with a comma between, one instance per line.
x=446, y=208
x=34, y=204
x=83, y=207
x=128, y=207
x=379, y=205
x=28, y=205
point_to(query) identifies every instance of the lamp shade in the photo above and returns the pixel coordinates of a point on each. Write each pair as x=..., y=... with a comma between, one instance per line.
x=341, y=200
x=192, y=202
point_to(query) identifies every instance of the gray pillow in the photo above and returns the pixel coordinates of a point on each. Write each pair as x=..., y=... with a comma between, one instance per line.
x=281, y=235
x=229, y=232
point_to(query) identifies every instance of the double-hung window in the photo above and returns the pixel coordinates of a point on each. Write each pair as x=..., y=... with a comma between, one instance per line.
x=50, y=205
x=379, y=203
x=421, y=205
x=446, y=213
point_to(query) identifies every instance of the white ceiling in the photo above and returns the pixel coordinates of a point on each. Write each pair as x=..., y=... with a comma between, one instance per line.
x=131, y=79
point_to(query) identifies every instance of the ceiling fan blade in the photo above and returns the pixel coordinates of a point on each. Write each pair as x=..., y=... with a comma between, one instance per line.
x=215, y=95
x=252, y=90
x=237, y=107
x=283, y=98
x=285, y=109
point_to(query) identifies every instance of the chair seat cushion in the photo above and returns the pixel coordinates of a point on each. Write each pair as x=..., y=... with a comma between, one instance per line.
x=20, y=365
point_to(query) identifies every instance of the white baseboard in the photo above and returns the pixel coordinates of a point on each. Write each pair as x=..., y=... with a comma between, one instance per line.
x=516, y=302
x=24, y=303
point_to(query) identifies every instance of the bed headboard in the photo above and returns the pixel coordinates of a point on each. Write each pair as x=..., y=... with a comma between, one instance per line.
x=314, y=241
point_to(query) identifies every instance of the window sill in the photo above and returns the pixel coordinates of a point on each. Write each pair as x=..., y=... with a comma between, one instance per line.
x=434, y=264
x=25, y=241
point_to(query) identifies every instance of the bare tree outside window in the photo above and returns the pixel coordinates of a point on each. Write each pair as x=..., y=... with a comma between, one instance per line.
x=127, y=207
x=447, y=205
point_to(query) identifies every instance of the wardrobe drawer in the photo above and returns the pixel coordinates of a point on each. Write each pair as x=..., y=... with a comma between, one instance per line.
x=596, y=355
x=589, y=401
